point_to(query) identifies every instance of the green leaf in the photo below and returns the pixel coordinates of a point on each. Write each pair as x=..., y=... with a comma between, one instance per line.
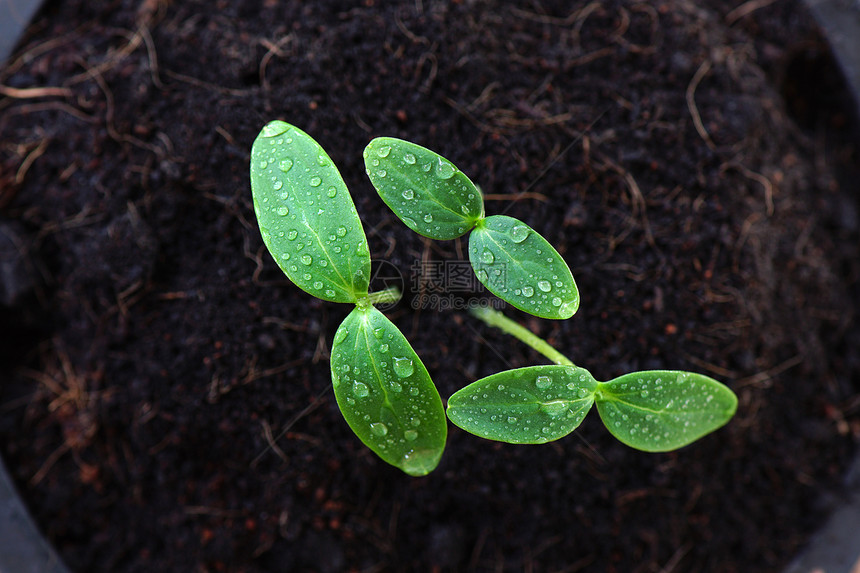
x=519, y=266
x=425, y=190
x=662, y=410
x=306, y=215
x=532, y=405
x=386, y=394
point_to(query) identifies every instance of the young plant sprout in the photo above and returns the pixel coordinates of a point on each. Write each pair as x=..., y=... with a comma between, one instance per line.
x=437, y=200
x=652, y=411
x=310, y=226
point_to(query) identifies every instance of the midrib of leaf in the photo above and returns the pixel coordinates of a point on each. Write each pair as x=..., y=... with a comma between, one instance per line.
x=432, y=199
x=516, y=261
x=350, y=289
x=617, y=398
x=386, y=403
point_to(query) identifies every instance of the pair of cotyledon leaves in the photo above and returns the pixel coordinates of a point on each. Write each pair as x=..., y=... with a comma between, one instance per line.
x=311, y=227
x=436, y=200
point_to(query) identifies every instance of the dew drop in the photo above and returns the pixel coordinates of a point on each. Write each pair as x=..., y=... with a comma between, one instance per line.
x=528, y=291
x=341, y=231
x=428, y=218
x=554, y=408
x=329, y=293
x=487, y=257
x=410, y=435
x=444, y=170
x=332, y=191
x=382, y=173
x=383, y=348
x=285, y=165
x=544, y=286
x=482, y=275
x=315, y=182
x=378, y=429
x=322, y=160
x=543, y=382
x=582, y=392
x=567, y=309
x=556, y=301
x=283, y=211
x=395, y=386
x=277, y=184
x=383, y=151
x=378, y=333
x=410, y=222
x=464, y=209
x=414, y=392
x=360, y=390
x=285, y=256
x=274, y=129
x=427, y=167
x=339, y=337
x=403, y=367
x=512, y=420
x=318, y=285
x=292, y=235
x=307, y=259
x=264, y=164
x=519, y=233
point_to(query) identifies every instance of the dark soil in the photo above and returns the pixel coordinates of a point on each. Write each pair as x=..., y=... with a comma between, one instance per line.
x=165, y=401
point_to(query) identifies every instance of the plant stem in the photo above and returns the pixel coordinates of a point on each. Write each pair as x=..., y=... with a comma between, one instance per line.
x=500, y=321
x=389, y=295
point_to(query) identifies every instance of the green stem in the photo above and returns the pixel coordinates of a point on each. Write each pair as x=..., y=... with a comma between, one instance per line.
x=500, y=321
x=391, y=294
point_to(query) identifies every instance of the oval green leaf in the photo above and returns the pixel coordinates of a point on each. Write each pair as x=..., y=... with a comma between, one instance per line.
x=662, y=410
x=386, y=394
x=519, y=266
x=306, y=215
x=425, y=190
x=532, y=405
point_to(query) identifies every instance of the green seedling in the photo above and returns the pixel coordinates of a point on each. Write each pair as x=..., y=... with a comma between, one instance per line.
x=437, y=200
x=310, y=226
x=652, y=411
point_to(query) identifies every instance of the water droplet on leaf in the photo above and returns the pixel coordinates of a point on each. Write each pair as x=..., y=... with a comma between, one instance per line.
x=544, y=286
x=315, y=181
x=378, y=429
x=567, y=308
x=444, y=170
x=307, y=259
x=275, y=129
x=487, y=257
x=383, y=151
x=403, y=367
x=519, y=233
x=360, y=390
x=408, y=194
x=528, y=291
